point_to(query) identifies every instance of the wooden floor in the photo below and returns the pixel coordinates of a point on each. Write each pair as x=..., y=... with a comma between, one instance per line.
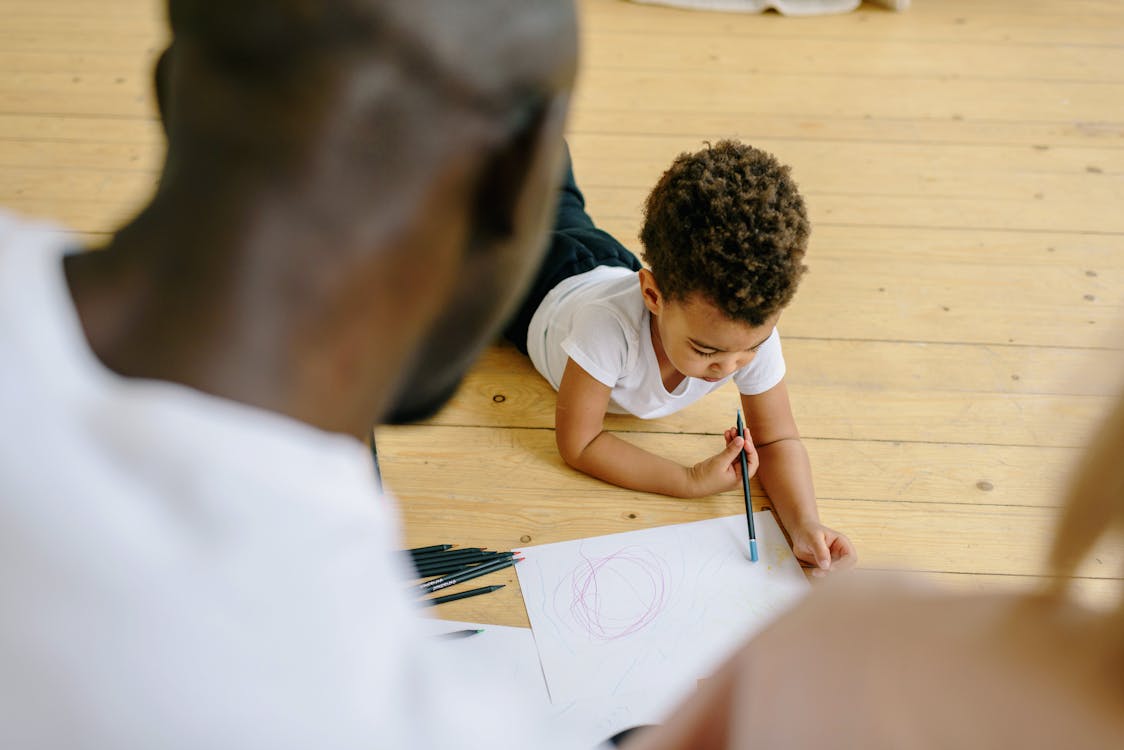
x=956, y=339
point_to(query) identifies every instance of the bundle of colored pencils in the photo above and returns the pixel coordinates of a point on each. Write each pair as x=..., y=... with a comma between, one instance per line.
x=446, y=566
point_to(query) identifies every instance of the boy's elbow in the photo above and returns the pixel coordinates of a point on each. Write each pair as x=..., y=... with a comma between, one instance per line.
x=568, y=453
x=570, y=450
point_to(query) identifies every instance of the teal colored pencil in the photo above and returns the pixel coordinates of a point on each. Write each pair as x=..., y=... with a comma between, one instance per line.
x=745, y=491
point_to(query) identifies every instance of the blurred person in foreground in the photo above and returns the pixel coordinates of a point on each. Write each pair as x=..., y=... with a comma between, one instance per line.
x=193, y=551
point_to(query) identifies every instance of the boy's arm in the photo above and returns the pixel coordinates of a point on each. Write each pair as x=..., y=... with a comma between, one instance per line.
x=786, y=474
x=584, y=445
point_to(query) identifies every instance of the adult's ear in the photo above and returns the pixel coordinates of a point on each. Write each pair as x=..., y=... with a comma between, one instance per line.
x=162, y=79
x=516, y=195
x=505, y=177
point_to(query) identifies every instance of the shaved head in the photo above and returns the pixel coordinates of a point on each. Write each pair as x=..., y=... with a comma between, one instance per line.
x=376, y=65
x=354, y=194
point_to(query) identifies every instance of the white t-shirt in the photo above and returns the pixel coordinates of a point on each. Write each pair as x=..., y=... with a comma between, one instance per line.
x=599, y=320
x=182, y=571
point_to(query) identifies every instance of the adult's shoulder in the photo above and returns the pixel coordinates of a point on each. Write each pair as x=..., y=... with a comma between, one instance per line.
x=882, y=663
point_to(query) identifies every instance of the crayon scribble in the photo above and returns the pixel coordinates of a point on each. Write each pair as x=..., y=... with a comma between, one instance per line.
x=617, y=595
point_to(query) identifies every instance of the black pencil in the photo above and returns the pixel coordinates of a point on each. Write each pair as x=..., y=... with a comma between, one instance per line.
x=375, y=460
x=449, y=554
x=463, y=594
x=457, y=561
x=470, y=557
x=452, y=580
x=459, y=633
x=440, y=558
x=425, y=571
x=745, y=491
x=447, y=570
x=430, y=548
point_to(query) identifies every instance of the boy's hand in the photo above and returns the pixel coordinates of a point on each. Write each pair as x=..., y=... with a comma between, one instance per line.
x=824, y=550
x=723, y=471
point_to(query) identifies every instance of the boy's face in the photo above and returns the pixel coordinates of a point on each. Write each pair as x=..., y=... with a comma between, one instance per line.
x=699, y=340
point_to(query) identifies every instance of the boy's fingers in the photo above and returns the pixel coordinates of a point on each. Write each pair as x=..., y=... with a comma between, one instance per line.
x=844, y=553
x=823, y=554
x=730, y=454
x=751, y=454
x=820, y=552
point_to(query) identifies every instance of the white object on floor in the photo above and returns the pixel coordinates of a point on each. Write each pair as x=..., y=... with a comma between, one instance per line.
x=619, y=614
x=508, y=655
x=787, y=7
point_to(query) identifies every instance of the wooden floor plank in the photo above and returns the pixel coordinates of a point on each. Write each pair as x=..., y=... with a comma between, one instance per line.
x=628, y=49
x=924, y=473
x=140, y=132
x=515, y=510
x=1098, y=136
x=620, y=206
x=968, y=368
x=832, y=95
x=936, y=170
x=80, y=156
x=104, y=62
x=997, y=24
x=505, y=391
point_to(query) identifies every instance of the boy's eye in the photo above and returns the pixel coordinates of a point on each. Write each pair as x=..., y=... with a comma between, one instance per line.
x=701, y=353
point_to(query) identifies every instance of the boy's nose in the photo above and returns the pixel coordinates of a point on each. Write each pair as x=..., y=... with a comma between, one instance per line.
x=725, y=367
x=731, y=365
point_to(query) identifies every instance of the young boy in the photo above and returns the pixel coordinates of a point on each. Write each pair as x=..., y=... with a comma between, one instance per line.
x=724, y=236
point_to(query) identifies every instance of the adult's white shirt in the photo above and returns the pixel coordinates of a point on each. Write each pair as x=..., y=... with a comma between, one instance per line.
x=183, y=571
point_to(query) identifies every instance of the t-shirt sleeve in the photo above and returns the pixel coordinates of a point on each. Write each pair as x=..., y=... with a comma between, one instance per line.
x=765, y=370
x=598, y=343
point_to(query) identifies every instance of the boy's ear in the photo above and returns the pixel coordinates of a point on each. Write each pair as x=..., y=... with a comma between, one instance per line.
x=653, y=297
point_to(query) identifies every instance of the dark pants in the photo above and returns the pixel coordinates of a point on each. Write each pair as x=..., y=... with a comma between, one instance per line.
x=576, y=246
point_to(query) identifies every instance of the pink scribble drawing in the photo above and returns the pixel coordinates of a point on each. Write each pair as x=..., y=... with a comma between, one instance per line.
x=617, y=595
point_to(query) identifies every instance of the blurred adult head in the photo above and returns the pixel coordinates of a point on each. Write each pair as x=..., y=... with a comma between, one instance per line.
x=353, y=196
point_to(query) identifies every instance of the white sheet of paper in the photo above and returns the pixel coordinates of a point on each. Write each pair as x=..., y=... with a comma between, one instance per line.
x=508, y=655
x=624, y=613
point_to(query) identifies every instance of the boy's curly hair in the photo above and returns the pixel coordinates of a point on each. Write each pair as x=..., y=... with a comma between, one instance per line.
x=727, y=222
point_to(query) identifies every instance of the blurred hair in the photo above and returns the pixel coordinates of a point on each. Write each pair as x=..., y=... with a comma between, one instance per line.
x=1095, y=505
